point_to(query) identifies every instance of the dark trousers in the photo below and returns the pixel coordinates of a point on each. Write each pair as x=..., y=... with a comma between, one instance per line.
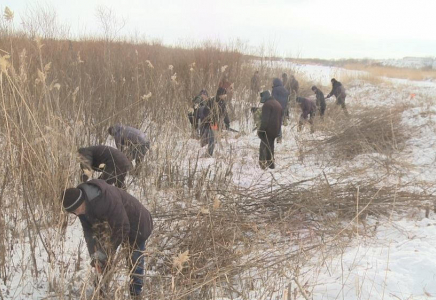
x=322, y=110
x=309, y=119
x=341, y=101
x=266, y=151
x=136, y=263
x=207, y=138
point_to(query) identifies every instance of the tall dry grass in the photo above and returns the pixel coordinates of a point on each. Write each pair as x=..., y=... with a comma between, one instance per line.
x=212, y=238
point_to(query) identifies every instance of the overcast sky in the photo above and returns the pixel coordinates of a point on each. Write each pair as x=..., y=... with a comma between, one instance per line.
x=297, y=28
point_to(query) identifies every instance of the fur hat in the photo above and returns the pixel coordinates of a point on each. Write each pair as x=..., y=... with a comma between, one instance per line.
x=265, y=95
x=72, y=199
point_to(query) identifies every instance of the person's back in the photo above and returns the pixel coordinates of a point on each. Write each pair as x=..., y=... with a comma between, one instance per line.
x=308, y=107
x=280, y=93
x=124, y=134
x=320, y=100
x=271, y=118
x=102, y=154
x=113, y=163
x=215, y=113
x=128, y=218
x=111, y=217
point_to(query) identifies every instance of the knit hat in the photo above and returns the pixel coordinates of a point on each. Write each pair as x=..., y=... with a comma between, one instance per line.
x=72, y=199
x=203, y=92
x=221, y=91
x=265, y=95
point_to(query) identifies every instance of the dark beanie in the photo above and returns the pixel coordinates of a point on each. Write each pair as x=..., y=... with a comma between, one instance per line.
x=221, y=91
x=73, y=198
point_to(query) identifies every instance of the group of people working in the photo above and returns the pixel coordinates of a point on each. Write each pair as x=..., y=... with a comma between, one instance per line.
x=210, y=115
x=103, y=205
x=110, y=216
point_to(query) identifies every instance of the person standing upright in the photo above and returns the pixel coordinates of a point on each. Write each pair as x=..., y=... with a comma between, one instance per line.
x=255, y=85
x=281, y=95
x=269, y=129
x=320, y=101
x=213, y=117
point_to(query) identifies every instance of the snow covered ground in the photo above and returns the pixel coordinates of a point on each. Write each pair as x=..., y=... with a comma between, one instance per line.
x=391, y=258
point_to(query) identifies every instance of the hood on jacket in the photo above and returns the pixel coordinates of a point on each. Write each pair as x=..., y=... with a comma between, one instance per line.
x=277, y=82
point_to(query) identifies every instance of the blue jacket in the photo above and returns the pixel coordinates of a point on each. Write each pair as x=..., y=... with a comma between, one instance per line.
x=280, y=93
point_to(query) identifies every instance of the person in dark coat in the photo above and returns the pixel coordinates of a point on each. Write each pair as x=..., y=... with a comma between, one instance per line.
x=194, y=116
x=113, y=164
x=213, y=117
x=338, y=91
x=100, y=205
x=285, y=80
x=320, y=101
x=280, y=94
x=255, y=85
x=269, y=129
x=130, y=141
x=308, y=111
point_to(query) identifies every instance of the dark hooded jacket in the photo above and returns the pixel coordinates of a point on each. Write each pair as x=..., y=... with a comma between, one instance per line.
x=271, y=118
x=215, y=112
x=307, y=107
x=128, y=220
x=337, y=89
x=280, y=93
x=320, y=100
x=126, y=135
x=114, y=159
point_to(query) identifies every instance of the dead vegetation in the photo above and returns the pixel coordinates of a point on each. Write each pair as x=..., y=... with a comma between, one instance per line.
x=212, y=238
x=367, y=130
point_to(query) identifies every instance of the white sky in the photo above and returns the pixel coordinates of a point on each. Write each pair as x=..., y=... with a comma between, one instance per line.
x=298, y=28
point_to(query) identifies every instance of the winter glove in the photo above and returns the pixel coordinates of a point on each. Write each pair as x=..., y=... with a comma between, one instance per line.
x=98, y=259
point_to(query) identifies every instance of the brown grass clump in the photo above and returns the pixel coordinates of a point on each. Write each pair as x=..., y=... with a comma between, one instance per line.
x=365, y=131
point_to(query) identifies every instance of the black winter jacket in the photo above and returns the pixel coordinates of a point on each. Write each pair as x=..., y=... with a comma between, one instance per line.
x=280, y=93
x=271, y=118
x=114, y=159
x=128, y=219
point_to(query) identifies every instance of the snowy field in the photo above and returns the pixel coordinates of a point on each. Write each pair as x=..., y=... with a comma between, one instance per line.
x=393, y=257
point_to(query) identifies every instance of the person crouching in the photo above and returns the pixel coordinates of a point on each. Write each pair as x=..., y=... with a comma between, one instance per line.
x=308, y=110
